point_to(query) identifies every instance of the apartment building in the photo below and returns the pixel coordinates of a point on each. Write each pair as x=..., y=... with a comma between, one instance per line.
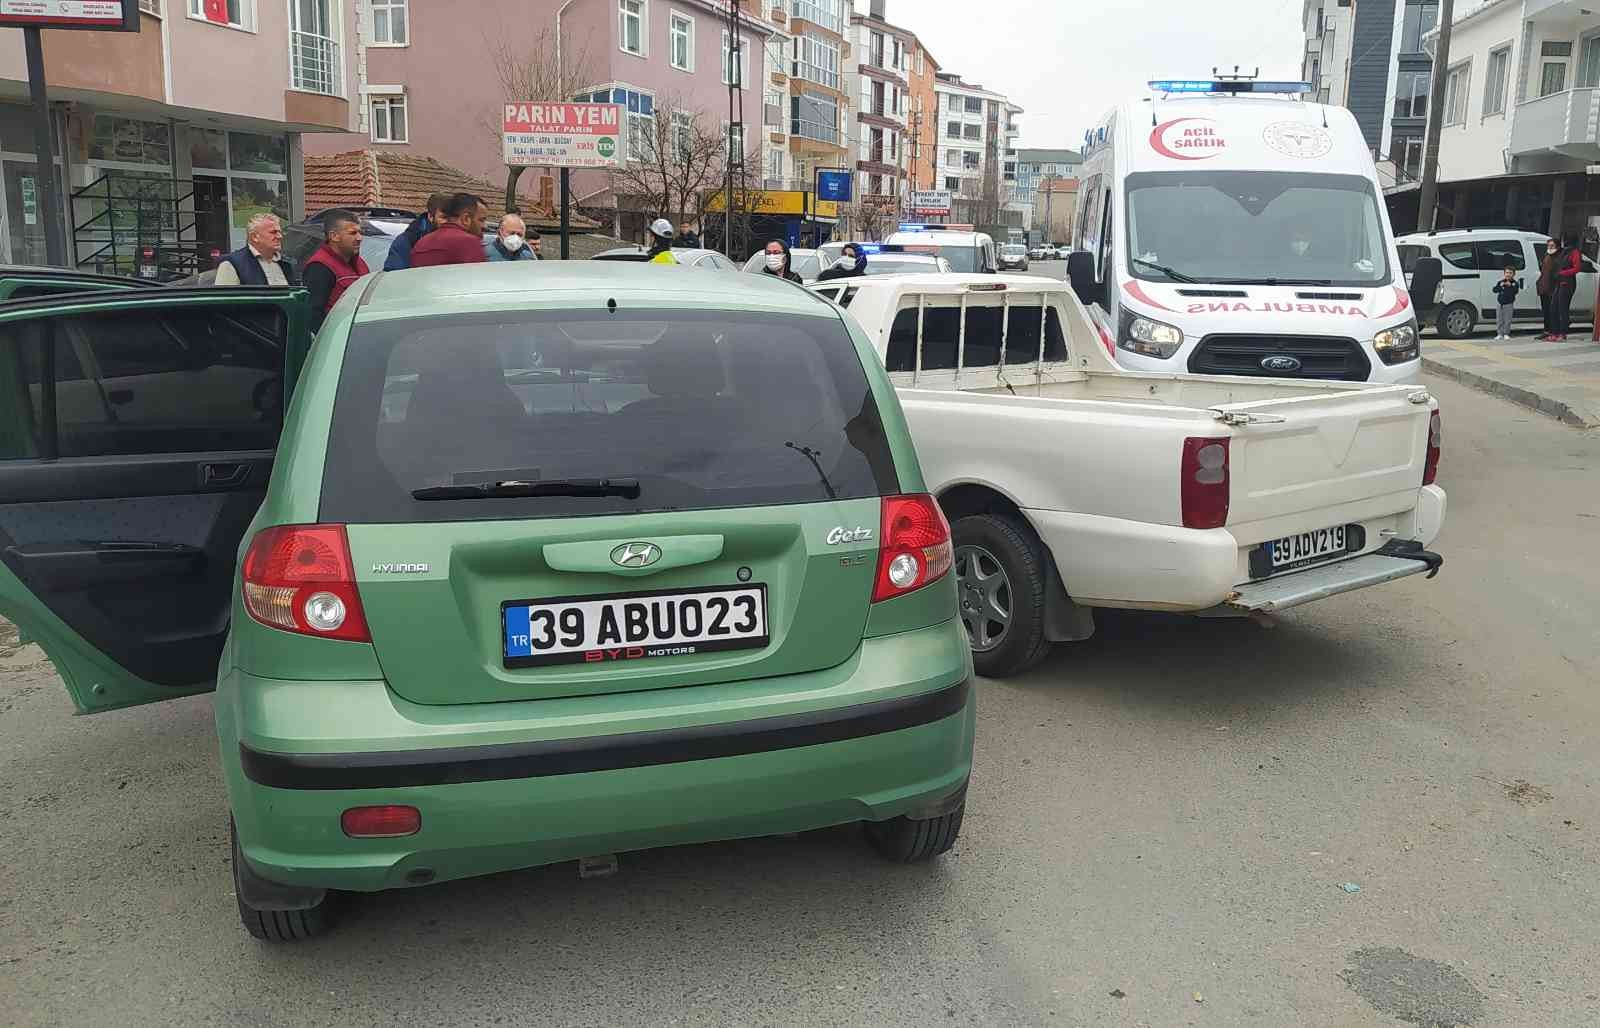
x=171, y=138
x=978, y=131
x=922, y=121
x=1521, y=106
x=880, y=68
x=1326, y=66
x=1035, y=168
x=434, y=77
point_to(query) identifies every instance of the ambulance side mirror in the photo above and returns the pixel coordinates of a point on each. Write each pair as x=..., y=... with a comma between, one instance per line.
x=1425, y=279
x=1080, y=272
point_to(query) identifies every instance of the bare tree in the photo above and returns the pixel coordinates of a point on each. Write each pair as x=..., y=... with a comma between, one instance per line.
x=532, y=69
x=868, y=218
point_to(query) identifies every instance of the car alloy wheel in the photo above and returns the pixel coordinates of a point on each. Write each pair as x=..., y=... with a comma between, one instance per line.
x=984, y=593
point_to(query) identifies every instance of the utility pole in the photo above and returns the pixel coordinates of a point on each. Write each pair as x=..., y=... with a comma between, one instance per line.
x=1428, y=192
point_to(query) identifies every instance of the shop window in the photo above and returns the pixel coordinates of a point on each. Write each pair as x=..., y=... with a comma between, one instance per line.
x=208, y=149
x=250, y=152
x=129, y=141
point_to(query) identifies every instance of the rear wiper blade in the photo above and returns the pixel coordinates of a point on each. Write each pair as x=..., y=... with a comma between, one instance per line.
x=1176, y=276
x=627, y=488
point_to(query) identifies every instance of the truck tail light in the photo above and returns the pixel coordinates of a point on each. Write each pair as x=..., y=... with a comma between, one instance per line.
x=914, y=546
x=300, y=578
x=1430, y=470
x=1205, y=482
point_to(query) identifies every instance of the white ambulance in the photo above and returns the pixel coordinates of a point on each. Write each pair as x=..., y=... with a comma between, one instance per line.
x=1230, y=228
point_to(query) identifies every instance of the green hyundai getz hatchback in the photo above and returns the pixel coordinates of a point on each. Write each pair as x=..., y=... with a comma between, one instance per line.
x=550, y=564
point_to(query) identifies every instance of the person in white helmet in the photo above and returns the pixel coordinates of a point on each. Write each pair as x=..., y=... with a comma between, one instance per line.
x=661, y=242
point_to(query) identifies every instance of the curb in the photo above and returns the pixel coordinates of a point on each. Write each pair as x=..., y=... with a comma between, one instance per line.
x=1558, y=409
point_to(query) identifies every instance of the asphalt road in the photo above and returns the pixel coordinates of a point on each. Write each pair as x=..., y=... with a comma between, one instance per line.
x=1161, y=829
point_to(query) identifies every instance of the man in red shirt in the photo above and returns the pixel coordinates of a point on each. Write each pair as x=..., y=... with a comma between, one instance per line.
x=459, y=240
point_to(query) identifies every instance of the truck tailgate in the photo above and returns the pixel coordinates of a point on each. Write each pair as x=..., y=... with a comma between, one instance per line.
x=1349, y=454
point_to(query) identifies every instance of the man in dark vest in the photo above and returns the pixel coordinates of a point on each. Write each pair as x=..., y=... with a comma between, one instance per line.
x=335, y=266
x=260, y=261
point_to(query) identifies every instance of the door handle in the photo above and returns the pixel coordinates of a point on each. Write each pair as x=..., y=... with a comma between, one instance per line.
x=223, y=475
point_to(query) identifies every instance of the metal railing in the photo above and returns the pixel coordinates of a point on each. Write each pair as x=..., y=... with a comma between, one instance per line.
x=314, y=64
x=819, y=131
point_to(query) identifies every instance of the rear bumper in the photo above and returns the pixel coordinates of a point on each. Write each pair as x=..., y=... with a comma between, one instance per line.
x=1278, y=594
x=870, y=745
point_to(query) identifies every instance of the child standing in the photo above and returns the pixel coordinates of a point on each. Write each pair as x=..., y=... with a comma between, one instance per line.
x=1505, y=294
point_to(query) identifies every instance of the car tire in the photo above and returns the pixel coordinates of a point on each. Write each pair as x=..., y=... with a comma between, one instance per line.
x=275, y=925
x=1457, y=320
x=987, y=545
x=906, y=840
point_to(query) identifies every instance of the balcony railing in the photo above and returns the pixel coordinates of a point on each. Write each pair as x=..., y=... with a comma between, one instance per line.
x=1562, y=122
x=314, y=64
x=819, y=131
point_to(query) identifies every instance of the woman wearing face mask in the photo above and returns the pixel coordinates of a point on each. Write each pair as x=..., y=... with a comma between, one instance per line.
x=852, y=263
x=1547, y=292
x=778, y=262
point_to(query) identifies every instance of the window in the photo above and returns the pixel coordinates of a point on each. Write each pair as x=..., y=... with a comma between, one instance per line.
x=953, y=130
x=816, y=59
x=974, y=105
x=1457, y=84
x=1411, y=163
x=1494, y=82
x=630, y=26
x=389, y=119
x=183, y=381
x=682, y=135
x=953, y=158
x=919, y=61
x=877, y=50
x=970, y=160
x=1553, y=78
x=1498, y=254
x=952, y=185
x=988, y=329
x=899, y=56
x=239, y=14
x=640, y=109
x=1589, y=63
x=151, y=7
x=690, y=405
x=824, y=12
x=735, y=65
x=972, y=132
x=389, y=26
x=814, y=116
x=1419, y=19
x=775, y=165
x=1460, y=255
x=735, y=139
x=314, y=61
x=680, y=29
x=1411, y=94
x=1409, y=255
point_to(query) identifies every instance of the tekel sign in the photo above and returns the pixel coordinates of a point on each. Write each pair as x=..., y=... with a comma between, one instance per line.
x=834, y=185
x=563, y=135
x=108, y=15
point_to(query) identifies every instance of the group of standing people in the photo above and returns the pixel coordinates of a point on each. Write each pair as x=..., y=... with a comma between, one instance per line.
x=449, y=232
x=1558, y=281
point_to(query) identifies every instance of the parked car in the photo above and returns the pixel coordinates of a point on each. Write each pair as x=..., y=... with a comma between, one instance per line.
x=542, y=568
x=842, y=290
x=1013, y=257
x=967, y=251
x=1072, y=484
x=709, y=259
x=1037, y=253
x=805, y=263
x=1474, y=260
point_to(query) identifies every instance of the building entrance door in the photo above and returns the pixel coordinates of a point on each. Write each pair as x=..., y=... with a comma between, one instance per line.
x=24, y=201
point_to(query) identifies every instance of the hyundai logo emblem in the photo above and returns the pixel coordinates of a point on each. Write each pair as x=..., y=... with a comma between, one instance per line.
x=635, y=555
x=1281, y=362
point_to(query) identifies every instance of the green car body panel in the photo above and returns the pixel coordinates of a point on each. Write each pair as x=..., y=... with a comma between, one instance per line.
x=852, y=710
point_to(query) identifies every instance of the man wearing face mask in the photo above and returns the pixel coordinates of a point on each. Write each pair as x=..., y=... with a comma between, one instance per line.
x=511, y=244
x=852, y=263
x=778, y=262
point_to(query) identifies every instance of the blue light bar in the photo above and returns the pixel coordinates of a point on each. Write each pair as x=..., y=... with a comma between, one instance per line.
x=913, y=228
x=869, y=247
x=1227, y=86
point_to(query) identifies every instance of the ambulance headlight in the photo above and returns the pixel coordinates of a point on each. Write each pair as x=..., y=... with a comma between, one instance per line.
x=1398, y=344
x=1148, y=337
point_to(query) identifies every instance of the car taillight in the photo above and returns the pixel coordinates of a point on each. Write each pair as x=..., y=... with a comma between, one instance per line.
x=300, y=578
x=389, y=821
x=1205, y=482
x=914, y=546
x=1430, y=470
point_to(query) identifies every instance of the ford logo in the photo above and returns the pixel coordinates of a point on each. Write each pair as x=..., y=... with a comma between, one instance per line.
x=1281, y=362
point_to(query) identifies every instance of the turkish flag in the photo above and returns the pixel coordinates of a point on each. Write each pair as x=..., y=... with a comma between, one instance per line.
x=217, y=11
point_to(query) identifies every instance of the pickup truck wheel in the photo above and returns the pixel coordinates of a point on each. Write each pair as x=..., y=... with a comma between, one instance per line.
x=1457, y=320
x=1000, y=584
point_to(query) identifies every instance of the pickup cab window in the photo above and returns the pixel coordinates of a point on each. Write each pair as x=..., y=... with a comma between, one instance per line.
x=992, y=329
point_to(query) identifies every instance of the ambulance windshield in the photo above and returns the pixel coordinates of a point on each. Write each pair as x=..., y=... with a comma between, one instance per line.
x=1256, y=228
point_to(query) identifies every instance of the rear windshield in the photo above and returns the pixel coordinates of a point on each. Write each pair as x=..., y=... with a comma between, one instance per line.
x=702, y=409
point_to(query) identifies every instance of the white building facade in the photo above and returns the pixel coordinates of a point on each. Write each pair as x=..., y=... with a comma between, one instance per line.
x=977, y=139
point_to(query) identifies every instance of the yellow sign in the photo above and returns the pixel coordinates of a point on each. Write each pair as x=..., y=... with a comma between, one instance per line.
x=774, y=201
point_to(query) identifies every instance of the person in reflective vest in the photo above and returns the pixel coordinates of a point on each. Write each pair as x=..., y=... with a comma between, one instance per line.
x=661, y=242
x=335, y=266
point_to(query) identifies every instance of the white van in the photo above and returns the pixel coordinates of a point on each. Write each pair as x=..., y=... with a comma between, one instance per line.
x=1222, y=230
x=966, y=250
x=1474, y=260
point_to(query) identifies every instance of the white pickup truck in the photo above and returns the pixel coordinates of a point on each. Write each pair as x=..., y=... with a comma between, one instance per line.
x=1071, y=483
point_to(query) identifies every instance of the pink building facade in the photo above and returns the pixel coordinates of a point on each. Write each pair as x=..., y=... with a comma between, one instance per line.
x=438, y=91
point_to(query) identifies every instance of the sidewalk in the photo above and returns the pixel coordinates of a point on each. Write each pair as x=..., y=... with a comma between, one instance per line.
x=1558, y=379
